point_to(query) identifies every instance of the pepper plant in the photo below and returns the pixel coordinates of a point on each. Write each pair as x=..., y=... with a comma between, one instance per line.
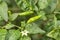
x=29, y=19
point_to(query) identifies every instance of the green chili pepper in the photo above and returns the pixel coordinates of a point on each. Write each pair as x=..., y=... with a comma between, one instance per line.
x=26, y=13
x=33, y=19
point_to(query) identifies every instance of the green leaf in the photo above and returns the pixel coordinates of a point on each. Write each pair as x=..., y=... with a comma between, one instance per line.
x=0, y=0
x=35, y=8
x=55, y=33
x=3, y=33
x=13, y=16
x=1, y=18
x=9, y=25
x=42, y=4
x=3, y=11
x=43, y=15
x=23, y=23
x=55, y=21
x=34, y=29
x=13, y=35
x=25, y=38
x=22, y=4
x=53, y=4
x=26, y=5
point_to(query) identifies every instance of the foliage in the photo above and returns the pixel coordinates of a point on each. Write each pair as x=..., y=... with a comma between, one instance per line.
x=29, y=19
